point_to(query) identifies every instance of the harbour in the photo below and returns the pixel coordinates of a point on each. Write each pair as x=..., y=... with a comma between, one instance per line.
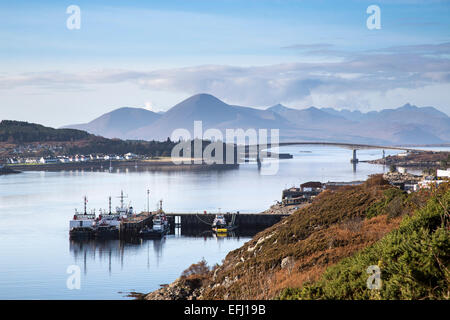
x=36, y=208
x=124, y=224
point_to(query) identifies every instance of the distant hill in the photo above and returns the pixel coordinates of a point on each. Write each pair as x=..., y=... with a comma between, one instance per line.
x=213, y=113
x=117, y=123
x=404, y=125
x=22, y=132
x=312, y=117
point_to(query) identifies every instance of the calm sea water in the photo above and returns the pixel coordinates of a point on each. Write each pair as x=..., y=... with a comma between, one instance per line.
x=35, y=209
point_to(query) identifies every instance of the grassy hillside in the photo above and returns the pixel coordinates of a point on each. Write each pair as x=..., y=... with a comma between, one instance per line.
x=322, y=251
x=414, y=261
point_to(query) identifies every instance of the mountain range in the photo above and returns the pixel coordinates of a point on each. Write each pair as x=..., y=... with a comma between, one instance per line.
x=404, y=125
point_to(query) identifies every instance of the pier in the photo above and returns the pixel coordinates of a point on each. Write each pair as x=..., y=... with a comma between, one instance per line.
x=131, y=227
x=243, y=220
x=191, y=223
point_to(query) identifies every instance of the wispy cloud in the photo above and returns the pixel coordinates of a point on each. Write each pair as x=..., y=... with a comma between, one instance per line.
x=310, y=46
x=377, y=71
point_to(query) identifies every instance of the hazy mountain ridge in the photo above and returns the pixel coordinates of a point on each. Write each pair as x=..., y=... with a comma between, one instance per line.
x=404, y=125
x=117, y=123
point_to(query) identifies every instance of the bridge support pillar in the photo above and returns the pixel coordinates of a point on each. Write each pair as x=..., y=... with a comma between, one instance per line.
x=354, y=159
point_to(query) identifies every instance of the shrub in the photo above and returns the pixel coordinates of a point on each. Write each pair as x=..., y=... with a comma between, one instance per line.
x=199, y=269
x=391, y=204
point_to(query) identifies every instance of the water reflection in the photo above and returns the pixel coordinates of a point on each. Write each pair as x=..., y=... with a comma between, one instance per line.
x=116, y=252
x=113, y=250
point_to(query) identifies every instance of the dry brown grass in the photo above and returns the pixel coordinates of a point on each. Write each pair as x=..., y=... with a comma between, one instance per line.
x=332, y=228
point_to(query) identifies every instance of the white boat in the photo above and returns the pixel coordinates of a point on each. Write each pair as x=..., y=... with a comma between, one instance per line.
x=108, y=225
x=219, y=221
x=82, y=225
x=220, y=224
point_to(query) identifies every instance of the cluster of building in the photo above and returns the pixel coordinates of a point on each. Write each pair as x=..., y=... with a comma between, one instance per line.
x=309, y=190
x=412, y=183
x=305, y=193
x=71, y=159
x=403, y=180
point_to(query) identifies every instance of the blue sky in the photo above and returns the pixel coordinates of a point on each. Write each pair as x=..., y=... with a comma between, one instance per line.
x=257, y=53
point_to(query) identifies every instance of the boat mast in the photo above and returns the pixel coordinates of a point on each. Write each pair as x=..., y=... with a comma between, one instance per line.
x=109, y=204
x=148, y=200
x=85, y=202
x=121, y=198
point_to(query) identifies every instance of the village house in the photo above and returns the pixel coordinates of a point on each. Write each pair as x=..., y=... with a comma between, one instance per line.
x=130, y=156
x=48, y=160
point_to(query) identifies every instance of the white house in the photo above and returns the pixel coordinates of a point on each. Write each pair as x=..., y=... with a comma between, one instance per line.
x=48, y=160
x=31, y=160
x=443, y=173
x=130, y=156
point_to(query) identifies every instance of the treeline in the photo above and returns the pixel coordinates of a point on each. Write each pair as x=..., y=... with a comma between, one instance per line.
x=102, y=145
x=99, y=145
x=23, y=132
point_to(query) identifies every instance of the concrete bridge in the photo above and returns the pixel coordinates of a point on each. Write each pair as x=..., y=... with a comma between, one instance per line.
x=352, y=146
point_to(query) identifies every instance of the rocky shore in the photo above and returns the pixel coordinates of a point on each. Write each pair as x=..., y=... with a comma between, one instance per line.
x=280, y=209
x=180, y=289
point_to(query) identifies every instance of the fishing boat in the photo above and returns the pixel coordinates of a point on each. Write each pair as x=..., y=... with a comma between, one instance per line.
x=220, y=225
x=82, y=225
x=160, y=226
x=108, y=225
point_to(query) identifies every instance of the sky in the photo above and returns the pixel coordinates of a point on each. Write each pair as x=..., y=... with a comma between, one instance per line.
x=257, y=53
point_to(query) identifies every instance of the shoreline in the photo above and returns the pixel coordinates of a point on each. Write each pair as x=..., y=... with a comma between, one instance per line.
x=147, y=165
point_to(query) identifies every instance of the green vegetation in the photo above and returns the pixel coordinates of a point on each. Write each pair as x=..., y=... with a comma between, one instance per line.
x=99, y=145
x=21, y=132
x=414, y=261
x=392, y=204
